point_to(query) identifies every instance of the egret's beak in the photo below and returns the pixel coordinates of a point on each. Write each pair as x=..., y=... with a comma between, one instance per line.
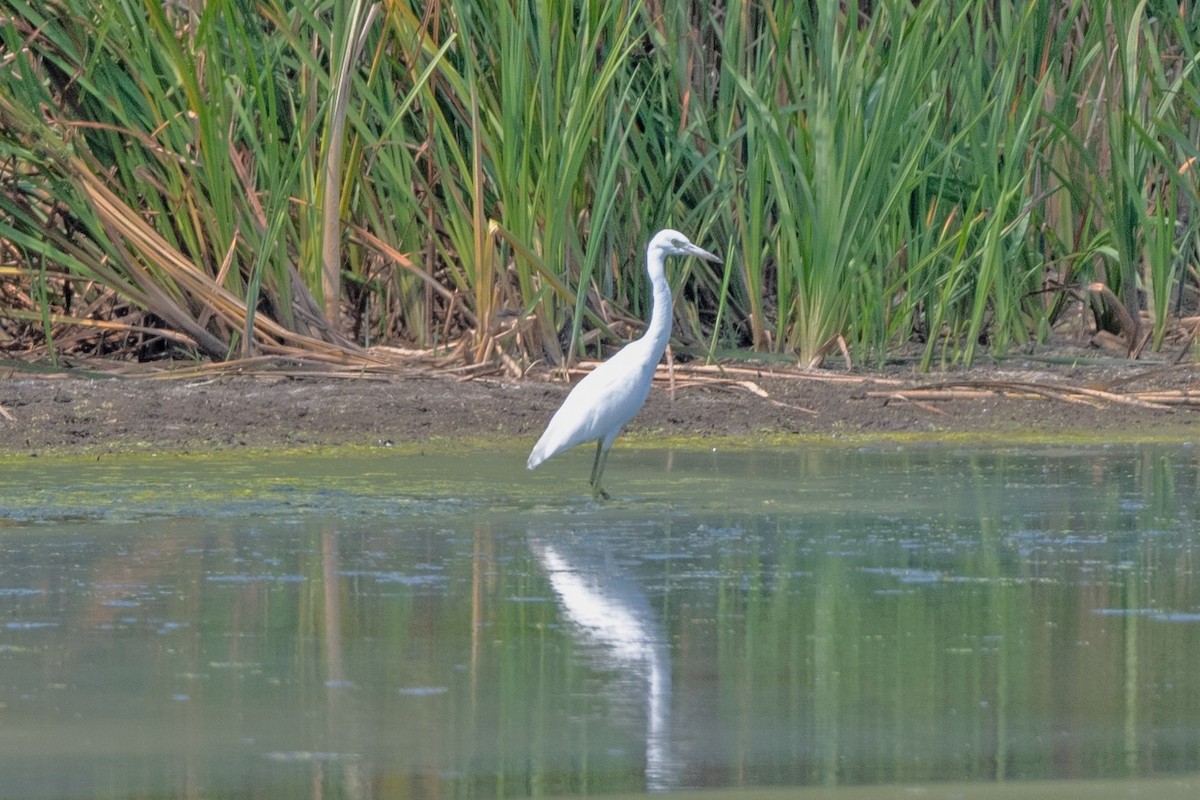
x=700, y=252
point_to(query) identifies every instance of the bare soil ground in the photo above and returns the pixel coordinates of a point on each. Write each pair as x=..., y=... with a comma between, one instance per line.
x=1108, y=398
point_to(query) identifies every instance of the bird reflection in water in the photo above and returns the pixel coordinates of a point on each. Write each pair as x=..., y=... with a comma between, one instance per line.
x=613, y=617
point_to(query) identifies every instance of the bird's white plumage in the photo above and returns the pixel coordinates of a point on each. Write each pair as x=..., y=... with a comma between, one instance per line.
x=600, y=405
x=603, y=402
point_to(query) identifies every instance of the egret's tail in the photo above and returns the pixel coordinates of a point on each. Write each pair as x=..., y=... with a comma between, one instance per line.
x=548, y=445
x=551, y=443
x=536, y=457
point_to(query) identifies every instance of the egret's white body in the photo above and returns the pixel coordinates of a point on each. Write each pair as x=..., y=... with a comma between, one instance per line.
x=603, y=402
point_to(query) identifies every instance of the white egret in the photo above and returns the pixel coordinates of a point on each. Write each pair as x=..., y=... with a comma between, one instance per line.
x=603, y=402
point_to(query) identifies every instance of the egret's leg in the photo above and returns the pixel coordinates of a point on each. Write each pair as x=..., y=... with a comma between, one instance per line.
x=598, y=470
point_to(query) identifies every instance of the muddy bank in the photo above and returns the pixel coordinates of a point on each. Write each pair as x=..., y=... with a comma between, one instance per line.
x=62, y=413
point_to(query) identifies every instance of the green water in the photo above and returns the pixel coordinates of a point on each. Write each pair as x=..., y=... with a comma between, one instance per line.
x=932, y=619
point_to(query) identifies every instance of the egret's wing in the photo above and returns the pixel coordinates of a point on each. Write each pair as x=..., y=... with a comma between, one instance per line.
x=599, y=405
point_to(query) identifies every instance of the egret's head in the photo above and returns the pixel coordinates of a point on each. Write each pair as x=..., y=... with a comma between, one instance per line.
x=674, y=243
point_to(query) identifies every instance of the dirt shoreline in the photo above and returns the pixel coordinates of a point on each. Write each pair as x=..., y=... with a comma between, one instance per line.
x=64, y=413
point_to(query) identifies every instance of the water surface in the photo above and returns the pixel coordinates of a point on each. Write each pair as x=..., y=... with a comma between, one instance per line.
x=966, y=621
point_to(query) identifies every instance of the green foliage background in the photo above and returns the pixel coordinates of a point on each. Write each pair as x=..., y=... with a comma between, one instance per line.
x=236, y=178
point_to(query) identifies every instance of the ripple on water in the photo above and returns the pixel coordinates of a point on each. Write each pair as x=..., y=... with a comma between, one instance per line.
x=402, y=578
x=424, y=691
x=1155, y=614
x=905, y=574
x=242, y=578
x=1176, y=616
x=308, y=756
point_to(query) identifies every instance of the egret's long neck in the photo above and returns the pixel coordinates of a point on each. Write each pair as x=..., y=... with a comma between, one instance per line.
x=660, y=317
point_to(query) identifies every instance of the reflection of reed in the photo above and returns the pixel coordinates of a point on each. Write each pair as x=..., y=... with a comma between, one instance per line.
x=614, y=613
x=337, y=715
x=335, y=666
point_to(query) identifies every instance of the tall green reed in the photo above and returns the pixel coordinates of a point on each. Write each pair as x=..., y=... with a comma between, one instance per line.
x=984, y=292
x=547, y=99
x=839, y=123
x=280, y=176
x=1121, y=155
x=184, y=143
